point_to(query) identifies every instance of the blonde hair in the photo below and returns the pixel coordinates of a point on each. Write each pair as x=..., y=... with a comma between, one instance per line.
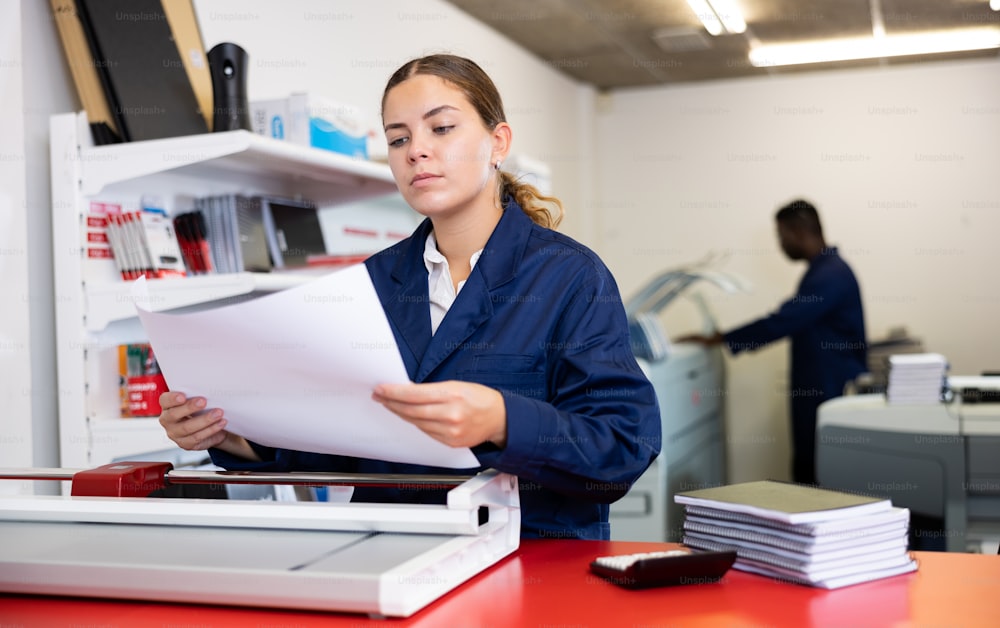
x=479, y=89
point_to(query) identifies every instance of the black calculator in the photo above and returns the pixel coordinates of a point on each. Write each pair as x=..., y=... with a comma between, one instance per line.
x=663, y=568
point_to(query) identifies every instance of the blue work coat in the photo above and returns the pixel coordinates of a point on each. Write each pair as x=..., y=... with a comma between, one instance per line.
x=541, y=320
x=825, y=324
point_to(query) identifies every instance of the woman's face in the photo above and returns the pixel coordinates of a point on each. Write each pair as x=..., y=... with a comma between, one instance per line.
x=439, y=151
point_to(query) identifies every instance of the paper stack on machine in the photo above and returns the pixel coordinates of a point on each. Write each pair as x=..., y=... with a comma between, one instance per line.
x=917, y=378
x=799, y=533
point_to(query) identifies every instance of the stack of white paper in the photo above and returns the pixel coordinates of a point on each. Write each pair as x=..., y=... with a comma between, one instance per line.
x=799, y=533
x=916, y=378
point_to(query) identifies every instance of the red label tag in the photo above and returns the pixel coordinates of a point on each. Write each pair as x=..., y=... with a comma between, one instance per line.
x=144, y=394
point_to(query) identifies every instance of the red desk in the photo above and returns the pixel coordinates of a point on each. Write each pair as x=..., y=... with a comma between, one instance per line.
x=548, y=583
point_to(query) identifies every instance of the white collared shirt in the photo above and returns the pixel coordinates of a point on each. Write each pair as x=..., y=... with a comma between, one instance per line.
x=440, y=287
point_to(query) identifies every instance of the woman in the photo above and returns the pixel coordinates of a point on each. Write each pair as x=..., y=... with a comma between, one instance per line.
x=514, y=335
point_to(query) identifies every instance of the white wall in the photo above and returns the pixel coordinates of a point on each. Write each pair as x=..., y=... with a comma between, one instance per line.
x=48, y=89
x=15, y=358
x=903, y=164
x=35, y=83
x=346, y=51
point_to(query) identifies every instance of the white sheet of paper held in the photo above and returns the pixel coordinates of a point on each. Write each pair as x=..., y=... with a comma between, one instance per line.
x=295, y=369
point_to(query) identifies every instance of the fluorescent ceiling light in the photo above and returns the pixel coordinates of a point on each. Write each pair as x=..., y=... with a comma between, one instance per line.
x=719, y=16
x=875, y=47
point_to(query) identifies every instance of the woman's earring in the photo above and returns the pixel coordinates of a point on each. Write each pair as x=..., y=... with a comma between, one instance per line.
x=496, y=166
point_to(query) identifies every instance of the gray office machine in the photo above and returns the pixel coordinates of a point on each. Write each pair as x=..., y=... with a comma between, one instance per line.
x=939, y=460
x=690, y=387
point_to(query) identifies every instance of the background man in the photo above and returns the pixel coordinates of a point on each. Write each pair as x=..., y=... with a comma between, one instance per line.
x=824, y=321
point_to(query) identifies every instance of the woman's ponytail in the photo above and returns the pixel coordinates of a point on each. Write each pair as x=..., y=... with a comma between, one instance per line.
x=546, y=211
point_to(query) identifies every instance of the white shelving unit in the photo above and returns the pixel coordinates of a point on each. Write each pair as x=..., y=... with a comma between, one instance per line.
x=94, y=307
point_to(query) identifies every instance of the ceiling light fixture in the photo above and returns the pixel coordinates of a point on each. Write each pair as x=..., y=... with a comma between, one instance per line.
x=719, y=16
x=995, y=5
x=935, y=42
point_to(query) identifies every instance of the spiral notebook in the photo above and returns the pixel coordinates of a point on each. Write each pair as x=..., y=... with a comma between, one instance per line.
x=784, y=501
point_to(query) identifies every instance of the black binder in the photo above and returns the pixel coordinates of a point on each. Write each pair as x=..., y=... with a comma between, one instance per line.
x=143, y=76
x=85, y=75
x=294, y=231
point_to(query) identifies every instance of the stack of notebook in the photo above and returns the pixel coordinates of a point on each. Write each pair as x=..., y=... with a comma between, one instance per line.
x=916, y=378
x=800, y=533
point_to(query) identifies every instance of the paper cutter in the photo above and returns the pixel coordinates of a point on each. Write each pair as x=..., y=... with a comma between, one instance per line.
x=108, y=540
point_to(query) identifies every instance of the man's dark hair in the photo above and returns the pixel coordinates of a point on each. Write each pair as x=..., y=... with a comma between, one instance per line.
x=800, y=214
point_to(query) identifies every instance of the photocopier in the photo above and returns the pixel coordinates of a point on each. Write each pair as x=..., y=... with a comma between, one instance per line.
x=689, y=381
x=940, y=460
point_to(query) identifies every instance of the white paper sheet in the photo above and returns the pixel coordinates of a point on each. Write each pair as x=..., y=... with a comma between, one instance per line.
x=295, y=369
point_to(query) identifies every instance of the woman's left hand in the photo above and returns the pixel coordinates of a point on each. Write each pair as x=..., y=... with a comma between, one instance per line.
x=459, y=414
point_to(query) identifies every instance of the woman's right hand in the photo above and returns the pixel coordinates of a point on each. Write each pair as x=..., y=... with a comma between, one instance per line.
x=189, y=424
x=194, y=428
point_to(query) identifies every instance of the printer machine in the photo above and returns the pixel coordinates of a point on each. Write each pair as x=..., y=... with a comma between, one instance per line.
x=940, y=460
x=689, y=381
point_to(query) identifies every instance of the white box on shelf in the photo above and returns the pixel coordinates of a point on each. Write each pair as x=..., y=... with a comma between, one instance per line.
x=282, y=118
x=311, y=120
